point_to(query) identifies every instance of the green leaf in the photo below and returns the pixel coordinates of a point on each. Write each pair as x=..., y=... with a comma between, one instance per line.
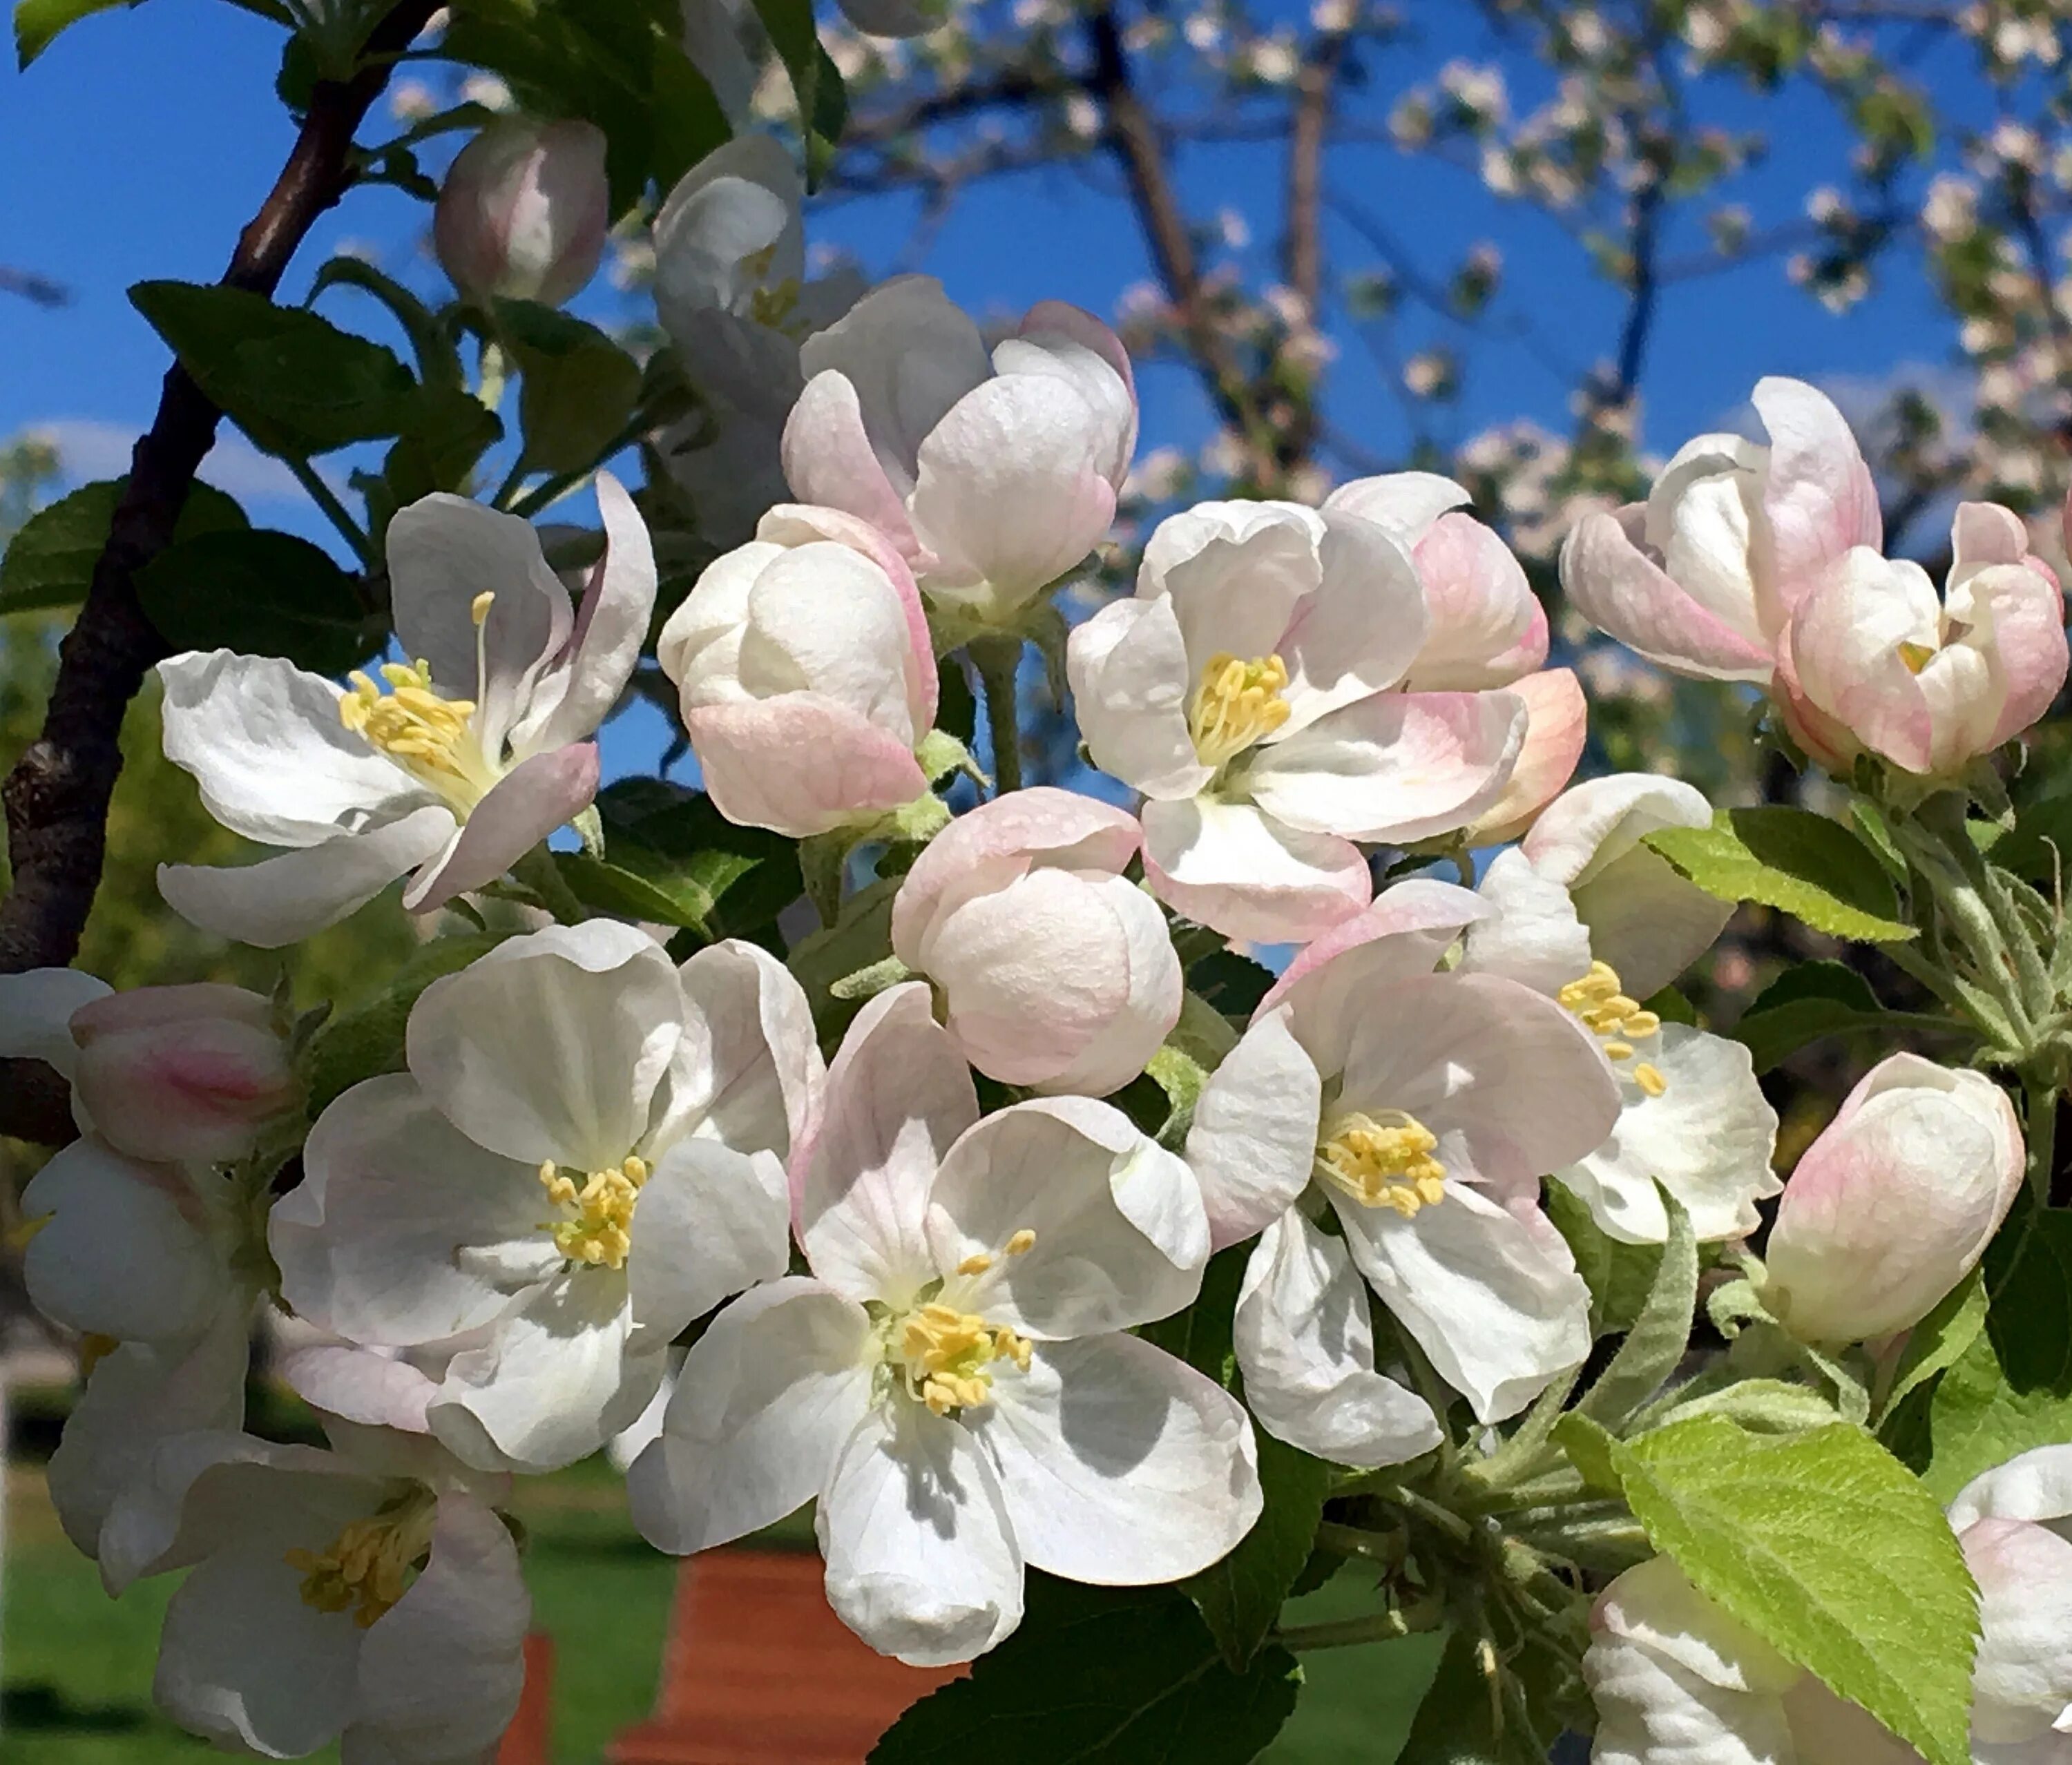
x=1240, y=1598
x=367, y=1041
x=735, y=880
x=49, y=563
x=447, y=432
x=1825, y=1545
x=262, y=593
x=1463, y=1720
x=815, y=81
x=1619, y=1276
x=1809, y=1000
x=431, y=338
x=579, y=387
x=1660, y=1334
x=1590, y=1447
x=1201, y=1335
x=1941, y=1339
x=1803, y=864
x=294, y=382
x=38, y=22
x=2011, y=1390
x=1234, y=984
x=1099, y=1676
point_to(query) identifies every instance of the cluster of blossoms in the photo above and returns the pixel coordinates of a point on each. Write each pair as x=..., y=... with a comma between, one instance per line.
x=911, y=1251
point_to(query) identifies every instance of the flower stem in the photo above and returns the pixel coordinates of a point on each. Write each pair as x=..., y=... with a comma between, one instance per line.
x=334, y=511
x=2040, y=1130
x=1370, y=1627
x=999, y=659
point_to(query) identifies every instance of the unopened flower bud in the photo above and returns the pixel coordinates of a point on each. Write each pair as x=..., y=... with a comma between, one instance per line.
x=524, y=210
x=1891, y=1207
x=182, y=1073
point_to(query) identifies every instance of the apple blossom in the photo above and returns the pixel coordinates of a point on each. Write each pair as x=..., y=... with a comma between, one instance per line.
x=1703, y=577
x=371, y=1596
x=1556, y=731
x=1056, y=972
x=523, y=211
x=652, y=1106
x=1243, y=690
x=955, y=1381
x=1873, y=661
x=1895, y=1202
x=1676, y=1681
x=478, y=751
x=1692, y=1117
x=1423, y=1108
x=994, y=477
x=807, y=676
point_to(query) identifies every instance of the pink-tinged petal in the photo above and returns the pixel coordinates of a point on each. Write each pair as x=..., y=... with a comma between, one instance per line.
x=1010, y=494
x=1131, y=684
x=528, y=802
x=1228, y=866
x=828, y=461
x=1592, y=826
x=1556, y=730
x=1069, y=335
x=796, y=524
x=800, y=764
x=898, y=1096
x=1529, y=653
x=2021, y=1681
x=284, y=900
x=1850, y=639
x=1984, y=533
x=1362, y=628
x=1406, y=503
x=2027, y=614
x=1254, y=1134
x=1484, y=612
x=1626, y=595
x=1237, y=574
x=1002, y=839
x=1394, y=767
x=1818, y=493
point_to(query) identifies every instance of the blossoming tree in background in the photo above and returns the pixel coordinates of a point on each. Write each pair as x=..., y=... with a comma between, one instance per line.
x=1284, y=1148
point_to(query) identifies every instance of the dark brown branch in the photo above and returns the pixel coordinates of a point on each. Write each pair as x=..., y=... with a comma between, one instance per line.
x=57, y=796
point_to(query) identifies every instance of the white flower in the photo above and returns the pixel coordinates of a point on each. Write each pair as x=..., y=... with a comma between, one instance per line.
x=1243, y=690
x=375, y=1598
x=994, y=477
x=955, y=1383
x=583, y=1158
x=1691, y=1117
x=479, y=750
x=1423, y=1108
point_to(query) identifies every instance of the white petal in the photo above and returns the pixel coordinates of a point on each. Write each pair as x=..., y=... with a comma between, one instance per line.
x=1650, y=1711
x=539, y=794
x=282, y=901
x=2034, y=1485
x=2021, y=1682
x=35, y=1014
x=1647, y=921
x=1230, y=866
x=1121, y=1236
x=1254, y=1134
x=1361, y=629
x=766, y=1400
x=710, y=1221
x=1132, y=687
x=1236, y=573
x=1406, y=503
x=1120, y=1463
x=748, y=1069
x=922, y=1562
x=1535, y=938
x=824, y=619
x=264, y=742
x=552, y=1045
x=1492, y=1296
x=898, y=1096
x=1306, y=1350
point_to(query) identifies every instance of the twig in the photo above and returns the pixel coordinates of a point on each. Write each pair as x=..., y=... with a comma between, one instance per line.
x=57, y=796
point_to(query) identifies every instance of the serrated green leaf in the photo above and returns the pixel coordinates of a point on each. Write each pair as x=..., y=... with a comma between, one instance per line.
x=1234, y=984
x=1619, y=1276
x=50, y=562
x=1240, y=1598
x=1099, y=1676
x=38, y=23
x=578, y=390
x=1803, y=864
x=294, y=382
x=1660, y=1334
x=746, y=877
x=2011, y=1390
x=1941, y=1339
x=367, y=1041
x=261, y=593
x=1825, y=1545
x=449, y=430
x=1589, y=1445
x=815, y=81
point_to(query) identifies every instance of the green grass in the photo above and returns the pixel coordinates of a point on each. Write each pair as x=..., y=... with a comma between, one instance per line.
x=78, y=1666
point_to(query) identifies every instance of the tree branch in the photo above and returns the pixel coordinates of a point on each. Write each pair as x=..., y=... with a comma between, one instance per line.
x=57, y=796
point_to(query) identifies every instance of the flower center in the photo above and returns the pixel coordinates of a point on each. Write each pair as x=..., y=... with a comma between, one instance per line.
x=1917, y=656
x=944, y=1357
x=1384, y=1160
x=366, y=1567
x=1617, y=1020
x=430, y=737
x=1238, y=704
x=599, y=1230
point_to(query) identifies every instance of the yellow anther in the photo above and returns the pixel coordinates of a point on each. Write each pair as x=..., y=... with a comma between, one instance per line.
x=1238, y=703
x=1917, y=656
x=944, y=1354
x=366, y=1567
x=1022, y=1243
x=976, y=1264
x=429, y=736
x=1617, y=1019
x=601, y=1234
x=1650, y=1079
x=1642, y=1023
x=18, y=1237
x=1618, y=1051
x=94, y=1349
x=478, y=609
x=1384, y=1160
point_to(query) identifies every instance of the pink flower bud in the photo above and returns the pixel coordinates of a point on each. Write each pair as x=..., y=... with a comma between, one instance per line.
x=1056, y=971
x=172, y=1073
x=524, y=209
x=1891, y=1207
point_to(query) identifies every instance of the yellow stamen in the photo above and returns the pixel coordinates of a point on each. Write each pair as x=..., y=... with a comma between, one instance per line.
x=977, y=1264
x=18, y=1237
x=944, y=1354
x=1617, y=1020
x=1384, y=1160
x=429, y=736
x=1238, y=703
x=1022, y=1243
x=601, y=1233
x=366, y=1567
x=1917, y=656
x=1650, y=1079
x=478, y=609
